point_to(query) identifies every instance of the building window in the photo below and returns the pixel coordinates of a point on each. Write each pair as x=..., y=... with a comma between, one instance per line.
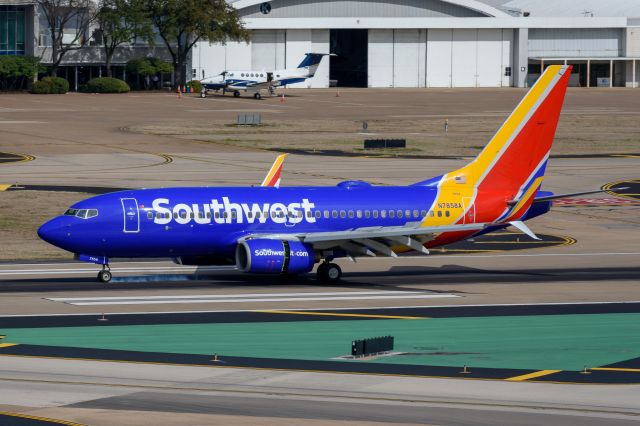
x=507, y=71
x=12, y=30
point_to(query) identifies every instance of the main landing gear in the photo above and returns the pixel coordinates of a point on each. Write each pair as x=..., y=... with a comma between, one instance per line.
x=105, y=275
x=329, y=272
x=236, y=94
x=257, y=96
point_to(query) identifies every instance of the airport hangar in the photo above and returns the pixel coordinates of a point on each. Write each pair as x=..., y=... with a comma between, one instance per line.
x=435, y=43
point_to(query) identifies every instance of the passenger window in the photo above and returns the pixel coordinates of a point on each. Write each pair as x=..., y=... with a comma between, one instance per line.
x=392, y=213
x=225, y=215
x=383, y=213
x=150, y=215
x=375, y=214
x=159, y=215
x=359, y=214
x=399, y=213
x=326, y=214
x=217, y=215
x=249, y=215
x=423, y=213
x=208, y=215
x=183, y=215
x=439, y=213
x=233, y=215
x=351, y=214
x=175, y=215
x=273, y=215
x=430, y=213
x=367, y=214
x=446, y=213
x=343, y=214
x=318, y=214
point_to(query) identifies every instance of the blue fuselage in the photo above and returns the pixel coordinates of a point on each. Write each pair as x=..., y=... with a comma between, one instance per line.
x=209, y=221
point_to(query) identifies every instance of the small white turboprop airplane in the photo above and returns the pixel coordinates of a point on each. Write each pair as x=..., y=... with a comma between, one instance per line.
x=255, y=81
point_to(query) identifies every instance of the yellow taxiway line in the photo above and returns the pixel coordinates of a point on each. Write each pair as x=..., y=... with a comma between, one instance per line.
x=40, y=419
x=532, y=375
x=626, y=370
x=332, y=314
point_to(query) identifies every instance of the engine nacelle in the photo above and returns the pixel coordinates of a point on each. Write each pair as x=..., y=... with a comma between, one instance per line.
x=262, y=256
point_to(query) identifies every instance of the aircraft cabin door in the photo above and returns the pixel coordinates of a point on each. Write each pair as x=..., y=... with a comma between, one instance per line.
x=470, y=210
x=131, y=215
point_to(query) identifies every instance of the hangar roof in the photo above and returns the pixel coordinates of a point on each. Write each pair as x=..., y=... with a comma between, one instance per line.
x=570, y=8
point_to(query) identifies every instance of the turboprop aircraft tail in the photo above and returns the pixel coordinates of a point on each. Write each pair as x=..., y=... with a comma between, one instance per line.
x=501, y=182
x=311, y=61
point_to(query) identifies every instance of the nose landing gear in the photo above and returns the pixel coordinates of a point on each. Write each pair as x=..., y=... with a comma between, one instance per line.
x=105, y=275
x=329, y=272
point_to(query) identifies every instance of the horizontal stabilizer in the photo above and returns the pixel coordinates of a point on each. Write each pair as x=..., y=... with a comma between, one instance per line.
x=573, y=194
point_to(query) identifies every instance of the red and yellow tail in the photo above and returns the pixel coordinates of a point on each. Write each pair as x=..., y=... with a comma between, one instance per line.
x=501, y=182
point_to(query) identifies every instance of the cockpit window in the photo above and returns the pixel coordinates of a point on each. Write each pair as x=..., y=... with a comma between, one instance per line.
x=82, y=213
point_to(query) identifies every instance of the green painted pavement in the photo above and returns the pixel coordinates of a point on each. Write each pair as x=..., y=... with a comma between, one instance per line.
x=562, y=342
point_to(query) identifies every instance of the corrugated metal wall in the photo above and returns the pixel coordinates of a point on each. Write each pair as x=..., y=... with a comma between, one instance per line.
x=575, y=42
x=360, y=9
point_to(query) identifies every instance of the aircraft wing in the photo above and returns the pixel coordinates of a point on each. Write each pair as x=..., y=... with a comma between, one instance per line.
x=372, y=241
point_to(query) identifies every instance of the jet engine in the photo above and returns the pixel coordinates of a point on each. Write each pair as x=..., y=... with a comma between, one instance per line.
x=263, y=256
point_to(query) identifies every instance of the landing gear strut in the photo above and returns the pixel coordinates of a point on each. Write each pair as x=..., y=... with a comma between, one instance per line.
x=105, y=275
x=329, y=272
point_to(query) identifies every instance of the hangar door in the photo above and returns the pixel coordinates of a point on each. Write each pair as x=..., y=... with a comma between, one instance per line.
x=468, y=57
x=396, y=58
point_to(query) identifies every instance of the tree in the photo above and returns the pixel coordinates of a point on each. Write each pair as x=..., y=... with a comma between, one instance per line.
x=121, y=21
x=147, y=67
x=182, y=23
x=68, y=22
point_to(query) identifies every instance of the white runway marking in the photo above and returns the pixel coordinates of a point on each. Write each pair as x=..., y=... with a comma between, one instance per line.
x=249, y=297
x=325, y=309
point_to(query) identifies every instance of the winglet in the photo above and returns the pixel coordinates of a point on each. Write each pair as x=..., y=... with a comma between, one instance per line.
x=273, y=177
x=524, y=228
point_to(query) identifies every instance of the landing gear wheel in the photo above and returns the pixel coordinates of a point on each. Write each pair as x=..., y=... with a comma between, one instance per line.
x=236, y=94
x=203, y=95
x=329, y=272
x=257, y=96
x=104, y=276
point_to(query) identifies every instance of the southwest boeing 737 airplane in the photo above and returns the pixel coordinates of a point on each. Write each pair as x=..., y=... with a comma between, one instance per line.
x=255, y=81
x=276, y=230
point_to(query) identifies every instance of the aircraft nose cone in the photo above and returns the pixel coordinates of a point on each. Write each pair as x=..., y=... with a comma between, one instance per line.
x=53, y=232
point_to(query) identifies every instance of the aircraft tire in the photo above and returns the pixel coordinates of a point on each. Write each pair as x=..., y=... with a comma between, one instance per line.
x=203, y=95
x=104, y=276
x=329, y=272
x=236, y=94
x=257, y=96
